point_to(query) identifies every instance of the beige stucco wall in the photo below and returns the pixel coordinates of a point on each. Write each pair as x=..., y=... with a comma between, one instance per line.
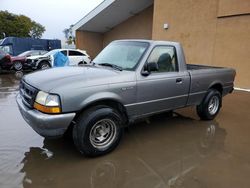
x=90, y=41
x=136, y=27
x=233, y=7
x=232, y=47
x=192, y=24
x=206, y=38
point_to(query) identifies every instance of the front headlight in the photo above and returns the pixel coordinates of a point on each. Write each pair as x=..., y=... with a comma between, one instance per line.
x=47, y=103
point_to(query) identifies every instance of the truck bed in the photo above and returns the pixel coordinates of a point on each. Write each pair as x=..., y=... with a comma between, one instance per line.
x=203, y=77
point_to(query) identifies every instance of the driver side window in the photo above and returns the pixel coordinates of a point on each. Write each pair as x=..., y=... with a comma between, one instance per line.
x=64, y=52
x=165, y=58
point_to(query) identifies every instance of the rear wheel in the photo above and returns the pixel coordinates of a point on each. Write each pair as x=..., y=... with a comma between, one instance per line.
x=210, y=105
x=98, y=131
x=44, y=65
x=17, y=66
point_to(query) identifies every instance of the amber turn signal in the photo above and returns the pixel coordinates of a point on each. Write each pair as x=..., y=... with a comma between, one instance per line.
x=47, y=109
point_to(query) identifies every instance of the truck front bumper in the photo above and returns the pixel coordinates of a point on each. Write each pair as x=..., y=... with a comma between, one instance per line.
x=45, y=125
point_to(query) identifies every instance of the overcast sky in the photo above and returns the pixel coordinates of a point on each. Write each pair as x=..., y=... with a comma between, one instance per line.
x=55, y=15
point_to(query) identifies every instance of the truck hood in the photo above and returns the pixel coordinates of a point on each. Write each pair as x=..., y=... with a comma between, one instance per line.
x=76, y=77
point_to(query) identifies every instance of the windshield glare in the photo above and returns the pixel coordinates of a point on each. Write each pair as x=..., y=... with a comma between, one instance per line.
x=52, y=52
x=2, y=53
x=124, y=54
x=24, y=53
x=7, y=49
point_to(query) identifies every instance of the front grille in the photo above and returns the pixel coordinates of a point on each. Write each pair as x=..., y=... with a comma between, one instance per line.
x=28, y=94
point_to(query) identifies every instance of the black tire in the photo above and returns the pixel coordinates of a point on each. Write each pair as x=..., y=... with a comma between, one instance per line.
x=89, y=126
x=210, y=105
x=44, y=65
x=17, y=66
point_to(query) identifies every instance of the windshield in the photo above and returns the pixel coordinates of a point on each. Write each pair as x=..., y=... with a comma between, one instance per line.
x=124, y=54
x=7, y=49
x=2, y=52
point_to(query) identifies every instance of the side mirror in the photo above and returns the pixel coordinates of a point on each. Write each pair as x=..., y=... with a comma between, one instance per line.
x=152, y=66
x=149, y=67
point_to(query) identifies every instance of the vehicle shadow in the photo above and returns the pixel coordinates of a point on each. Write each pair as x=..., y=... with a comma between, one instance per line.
x=160, y=152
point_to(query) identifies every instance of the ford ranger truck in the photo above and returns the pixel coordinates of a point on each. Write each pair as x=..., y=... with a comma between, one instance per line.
x=128, y=80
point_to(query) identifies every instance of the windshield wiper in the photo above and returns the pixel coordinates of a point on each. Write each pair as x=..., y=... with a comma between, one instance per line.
x=111, y=65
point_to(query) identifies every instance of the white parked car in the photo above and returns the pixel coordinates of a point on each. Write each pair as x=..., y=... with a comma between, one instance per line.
x=76, y=57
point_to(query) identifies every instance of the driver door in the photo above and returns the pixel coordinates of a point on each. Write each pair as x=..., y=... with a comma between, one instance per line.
x=164, y=89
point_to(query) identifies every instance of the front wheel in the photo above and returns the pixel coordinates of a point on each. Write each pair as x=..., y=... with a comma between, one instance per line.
x=98, y=131
x=44, y=65
x=17, y=66
x=210, y=105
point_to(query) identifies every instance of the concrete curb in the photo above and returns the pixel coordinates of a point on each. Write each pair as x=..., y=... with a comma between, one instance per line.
x=242, y=89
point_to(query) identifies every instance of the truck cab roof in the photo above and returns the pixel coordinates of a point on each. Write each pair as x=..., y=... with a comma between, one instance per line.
x=155, y=42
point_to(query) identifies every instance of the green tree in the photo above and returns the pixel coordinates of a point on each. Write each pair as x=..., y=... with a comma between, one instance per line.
x=19, y=26
x=37, y=30
x=68, y=33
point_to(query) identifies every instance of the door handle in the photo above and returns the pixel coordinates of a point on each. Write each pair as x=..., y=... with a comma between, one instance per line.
x=179, y=80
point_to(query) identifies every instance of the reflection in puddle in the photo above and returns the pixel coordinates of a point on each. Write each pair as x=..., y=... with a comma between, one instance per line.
x=19, y=75
x=159, y=154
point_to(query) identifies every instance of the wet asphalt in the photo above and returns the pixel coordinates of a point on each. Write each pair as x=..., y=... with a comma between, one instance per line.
x=162, y=151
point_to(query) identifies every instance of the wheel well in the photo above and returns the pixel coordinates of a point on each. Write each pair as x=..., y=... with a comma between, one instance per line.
x=82, y=63
x=218, y=87
x=111, y=103
x=44, y=61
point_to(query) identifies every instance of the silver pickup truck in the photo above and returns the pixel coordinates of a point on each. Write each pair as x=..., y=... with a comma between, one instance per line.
x=128, y=80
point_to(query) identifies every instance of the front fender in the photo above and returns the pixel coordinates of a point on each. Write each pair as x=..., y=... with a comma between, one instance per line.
x=101, y=96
